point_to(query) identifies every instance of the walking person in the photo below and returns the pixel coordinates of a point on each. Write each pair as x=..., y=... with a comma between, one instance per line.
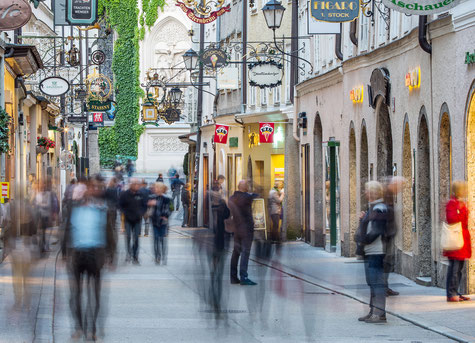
x=276, y=197
x=186, y=202
x=160, y=178
x=176, y=185
x=129, y=168
x=87, y=246
x=131, y=204
x=240, y=204
x=456, y=211
x=145, y=192
x=160, y=213
x=47, y=207
x=370, y=237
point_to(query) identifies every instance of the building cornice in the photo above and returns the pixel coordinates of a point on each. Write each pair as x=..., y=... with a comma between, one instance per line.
x=328, y=79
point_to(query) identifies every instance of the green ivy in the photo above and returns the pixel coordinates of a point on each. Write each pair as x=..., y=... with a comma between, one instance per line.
x=5, y=120
x=185, y=164
x=123, y=16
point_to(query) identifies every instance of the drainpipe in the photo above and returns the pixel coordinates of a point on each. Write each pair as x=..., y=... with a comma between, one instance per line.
x=425, y=45
x=353, y=37
x=295, y=125
x=338, y=52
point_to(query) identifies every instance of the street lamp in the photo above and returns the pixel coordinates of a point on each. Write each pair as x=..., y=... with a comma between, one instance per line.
x=191, y=59
x=273, y=13
x=175, y=96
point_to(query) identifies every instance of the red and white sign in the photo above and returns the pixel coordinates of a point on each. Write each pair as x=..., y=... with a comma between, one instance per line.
x=266, y=132
x=98, y=117
x=221, y=134
x=5, y=189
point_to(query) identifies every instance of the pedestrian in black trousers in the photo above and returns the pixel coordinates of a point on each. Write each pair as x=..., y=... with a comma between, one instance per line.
x=160, y=205
x=241, y=208
x=186, y=202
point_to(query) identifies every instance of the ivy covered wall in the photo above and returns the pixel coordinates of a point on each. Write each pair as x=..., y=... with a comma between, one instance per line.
x=123, y=16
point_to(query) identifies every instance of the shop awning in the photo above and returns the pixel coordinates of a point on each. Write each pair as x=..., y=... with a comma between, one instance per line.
x=189, y=138
x=23, y=59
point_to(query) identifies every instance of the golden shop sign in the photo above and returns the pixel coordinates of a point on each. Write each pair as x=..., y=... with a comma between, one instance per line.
x=335, y=11
x=356, y=95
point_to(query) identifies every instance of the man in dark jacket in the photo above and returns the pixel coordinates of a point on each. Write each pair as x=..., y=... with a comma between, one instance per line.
x=240, y=205
x=131, y=204
x=175, y=185
x=186, y=202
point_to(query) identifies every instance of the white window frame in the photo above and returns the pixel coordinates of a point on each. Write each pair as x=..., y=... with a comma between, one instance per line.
x=252, y=96
x=382, y=32
x=406, y=24
x=276, y=95
x=363, y=35
x=395, y=24
x=264, y=97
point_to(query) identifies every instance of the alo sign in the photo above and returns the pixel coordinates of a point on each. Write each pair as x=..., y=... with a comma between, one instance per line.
x=335, y=11
x=266, y=74
x=54, y=86
x=14, y=14
x=421, y=7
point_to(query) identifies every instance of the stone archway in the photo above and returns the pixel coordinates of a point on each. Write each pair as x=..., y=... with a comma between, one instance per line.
x=352, y=189
x=470, y=165
x=319, y=222
x=407, y=200
x=445, y=160
x=364, y=170
x=384, y=142
x=423, y=196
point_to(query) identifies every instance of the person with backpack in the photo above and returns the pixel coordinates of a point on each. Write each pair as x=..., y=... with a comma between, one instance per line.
x=160, y=211
x=176, y=185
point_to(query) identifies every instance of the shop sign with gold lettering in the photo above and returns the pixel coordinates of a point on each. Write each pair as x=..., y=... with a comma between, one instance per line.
x=99, y=106
x=357, y=95
x=203, y=13
x=335, y=11
x=14, y=14
x=421, y=7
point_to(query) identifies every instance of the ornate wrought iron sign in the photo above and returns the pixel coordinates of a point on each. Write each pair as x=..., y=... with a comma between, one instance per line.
x=214, y=58
x=98, y=57
x=99, y=86
x=203, y=12
x=14, y=14
x=54, y=86
x=335, y=11
x=81, y=12
x=265, y=74
x=170, y=115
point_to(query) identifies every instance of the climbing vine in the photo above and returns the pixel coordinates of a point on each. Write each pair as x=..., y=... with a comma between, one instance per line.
x=5, y=120
x=123, y=16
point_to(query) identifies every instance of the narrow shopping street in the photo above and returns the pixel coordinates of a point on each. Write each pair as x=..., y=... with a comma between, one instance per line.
x=167, y=303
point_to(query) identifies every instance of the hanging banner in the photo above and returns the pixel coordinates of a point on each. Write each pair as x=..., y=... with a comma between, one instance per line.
x=421, y=7
x=335, y=11
x=14, y=14
x=212, y=16
x=221, y=134
x=266, y=132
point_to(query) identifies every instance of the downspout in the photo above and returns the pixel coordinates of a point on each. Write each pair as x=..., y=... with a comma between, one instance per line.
x=295, y=124
x=338, y=52
x=353, y=37
x=425, y=45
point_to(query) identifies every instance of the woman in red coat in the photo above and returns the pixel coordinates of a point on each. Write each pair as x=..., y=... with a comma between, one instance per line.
x=457, y=211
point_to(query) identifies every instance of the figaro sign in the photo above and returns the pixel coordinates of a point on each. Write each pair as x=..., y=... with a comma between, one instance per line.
x=335, y=11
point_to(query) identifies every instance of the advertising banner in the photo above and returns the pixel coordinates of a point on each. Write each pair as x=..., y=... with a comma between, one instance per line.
x=266, y=132
x=421, y=7
x=221, y=134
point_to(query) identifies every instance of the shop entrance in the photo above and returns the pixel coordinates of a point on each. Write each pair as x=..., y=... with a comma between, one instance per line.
x=471, y=172
x=306, y=191
x=318, y=183
x=385, y=142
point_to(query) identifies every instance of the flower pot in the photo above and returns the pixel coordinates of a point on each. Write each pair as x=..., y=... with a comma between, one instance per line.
x=41, y=149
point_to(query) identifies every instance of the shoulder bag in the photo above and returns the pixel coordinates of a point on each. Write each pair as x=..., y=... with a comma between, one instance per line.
x=451, y=236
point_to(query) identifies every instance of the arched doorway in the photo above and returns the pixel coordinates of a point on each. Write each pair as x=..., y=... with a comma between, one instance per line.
x=445, y=160
x=423, y=196
x=384, y=141
x=470, y=160
x=364, y=170
x=408, y=223
x=318, y=183
x=352, y=188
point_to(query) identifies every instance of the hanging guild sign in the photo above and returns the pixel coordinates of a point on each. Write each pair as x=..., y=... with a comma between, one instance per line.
x=14, y=14
x=81, y=12
x=265, y=74
x=54, y=86
x=266, y=132
x=335, y=11
x=214, y=58
x=203, y=13
x=99, y=86
x=95, y=105
x=421, y=7
x=170, y=115
x=221, y=134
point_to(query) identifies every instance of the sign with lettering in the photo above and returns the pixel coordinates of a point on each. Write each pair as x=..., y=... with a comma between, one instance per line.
x=54, y=86
x=77, y=119
x=413, y=79
x=81, y=12
x=265, y=74
x=221, y=134
x=421, y=7
x=356, y=95
x=95, y=105
x=214, y=58
x=59, y=11
x=14, y=14
x=204, y=14
x=469, y=58
x=96, y=118
x=335, y=11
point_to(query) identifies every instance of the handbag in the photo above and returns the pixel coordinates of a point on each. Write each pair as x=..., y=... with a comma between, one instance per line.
x=451, y=236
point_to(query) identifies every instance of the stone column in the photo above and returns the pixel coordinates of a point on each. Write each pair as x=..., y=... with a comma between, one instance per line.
x=93, y=149
x=291, y=225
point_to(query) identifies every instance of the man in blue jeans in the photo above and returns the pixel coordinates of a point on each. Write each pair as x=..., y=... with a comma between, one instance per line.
x=240, y=204
x=131, y=204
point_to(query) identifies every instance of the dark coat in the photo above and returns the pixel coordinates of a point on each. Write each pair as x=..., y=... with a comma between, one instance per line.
x=221, y=212
x=240, y=204
x=185, y=197
x=378, y=216
x=131, y=205
x=161, y=210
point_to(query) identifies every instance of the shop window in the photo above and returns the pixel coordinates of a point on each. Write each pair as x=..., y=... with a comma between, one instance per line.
x=263, y=97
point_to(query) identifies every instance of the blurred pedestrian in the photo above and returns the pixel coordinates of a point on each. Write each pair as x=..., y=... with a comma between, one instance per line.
x=160, y=178
x=456, y=211
x=222, y=186
x=240, y=204
x=160, y=204
x=88, y=246
x=175, y=186
x=145, y=192
x=370, y=236
x=276, y=197
x=129, y=168
x=186, y=202
x=47, y=207
x=131, y=205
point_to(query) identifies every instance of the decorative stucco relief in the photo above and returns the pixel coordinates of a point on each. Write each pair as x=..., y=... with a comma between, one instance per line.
x=168, y=144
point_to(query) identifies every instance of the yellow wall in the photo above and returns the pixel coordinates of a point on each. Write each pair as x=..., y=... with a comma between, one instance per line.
x=277, y=162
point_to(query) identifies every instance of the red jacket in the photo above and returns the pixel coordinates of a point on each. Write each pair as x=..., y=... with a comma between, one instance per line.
x=456, y=211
